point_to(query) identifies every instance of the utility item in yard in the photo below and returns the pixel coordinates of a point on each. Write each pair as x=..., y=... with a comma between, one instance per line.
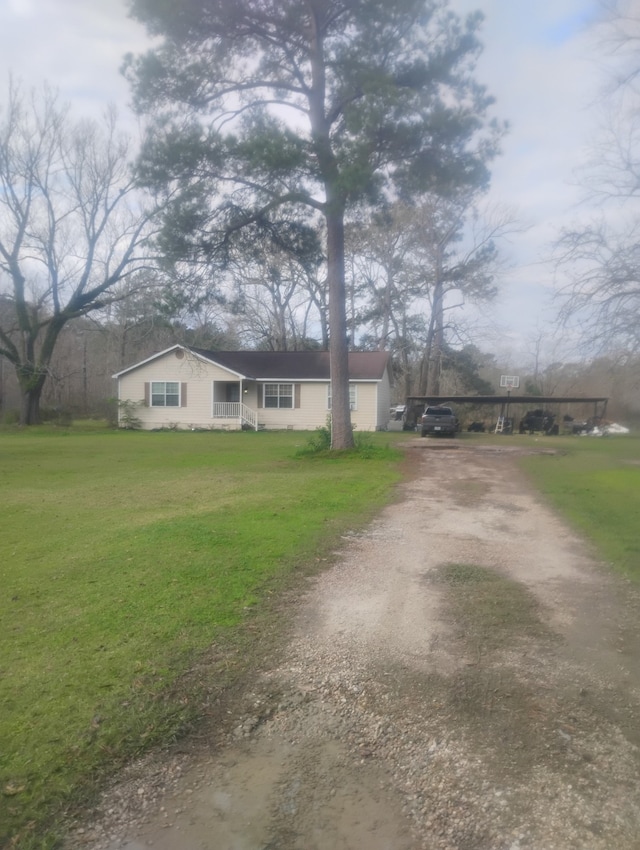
x=439, y=421
x=538, y=420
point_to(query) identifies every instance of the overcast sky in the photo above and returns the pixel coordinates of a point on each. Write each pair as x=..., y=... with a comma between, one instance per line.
x=540, y=65
x=538, y=62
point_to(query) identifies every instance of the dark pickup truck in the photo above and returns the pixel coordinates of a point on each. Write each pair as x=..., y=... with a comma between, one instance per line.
x=439, y=421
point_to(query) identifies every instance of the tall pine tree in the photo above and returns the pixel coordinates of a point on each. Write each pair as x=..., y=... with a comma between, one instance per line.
x=264, y=106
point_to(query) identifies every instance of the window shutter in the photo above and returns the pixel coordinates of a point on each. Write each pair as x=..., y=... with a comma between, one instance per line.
x=296, y=395
x=183, y=395
x=147, y=393
x=260, y=395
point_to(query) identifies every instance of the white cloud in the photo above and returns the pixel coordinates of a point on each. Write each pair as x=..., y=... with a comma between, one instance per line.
x=75, y=45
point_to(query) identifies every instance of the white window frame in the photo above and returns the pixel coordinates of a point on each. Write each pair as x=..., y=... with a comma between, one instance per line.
x=164, y=394
x=353, y=397
x=284, y=392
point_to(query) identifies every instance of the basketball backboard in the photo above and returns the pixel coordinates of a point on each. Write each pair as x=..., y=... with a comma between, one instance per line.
x=511, y=382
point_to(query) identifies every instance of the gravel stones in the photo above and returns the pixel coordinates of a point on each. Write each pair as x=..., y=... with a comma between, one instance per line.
x=385, y=724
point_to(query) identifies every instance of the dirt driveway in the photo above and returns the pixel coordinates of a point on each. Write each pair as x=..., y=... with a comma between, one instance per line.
x=465, y=677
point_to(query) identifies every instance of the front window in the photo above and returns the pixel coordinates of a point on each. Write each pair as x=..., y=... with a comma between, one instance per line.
x=165, y=394
x=353, y=397
x=278, y=395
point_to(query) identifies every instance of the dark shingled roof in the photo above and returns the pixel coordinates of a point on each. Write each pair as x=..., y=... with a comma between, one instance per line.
x=296, y=365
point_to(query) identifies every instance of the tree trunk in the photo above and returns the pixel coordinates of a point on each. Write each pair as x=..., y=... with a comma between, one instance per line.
x=426, y=357
x=435, y=341
x=435, y=360
x=404, y=358
x=30, y=409
x=334, y=208
x=341, y=430
x=31, y=385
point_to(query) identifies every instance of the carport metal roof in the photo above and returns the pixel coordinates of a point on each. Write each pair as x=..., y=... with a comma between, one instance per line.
x=533, y=401
x=536, y=400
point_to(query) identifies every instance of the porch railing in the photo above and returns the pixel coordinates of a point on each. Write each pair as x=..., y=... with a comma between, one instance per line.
x=235, y=410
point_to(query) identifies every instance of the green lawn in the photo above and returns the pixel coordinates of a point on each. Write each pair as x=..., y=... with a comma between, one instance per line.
x=595, y=483
x=124, y=556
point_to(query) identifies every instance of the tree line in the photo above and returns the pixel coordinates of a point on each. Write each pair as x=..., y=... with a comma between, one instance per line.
x=312, y=174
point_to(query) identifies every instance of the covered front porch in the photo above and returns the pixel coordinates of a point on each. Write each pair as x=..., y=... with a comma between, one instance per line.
x=235, y=405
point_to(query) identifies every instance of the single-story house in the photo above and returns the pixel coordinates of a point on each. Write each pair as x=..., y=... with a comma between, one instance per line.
x=185, y=387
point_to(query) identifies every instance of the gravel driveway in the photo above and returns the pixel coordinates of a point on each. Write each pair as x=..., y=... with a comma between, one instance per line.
x=464, y=678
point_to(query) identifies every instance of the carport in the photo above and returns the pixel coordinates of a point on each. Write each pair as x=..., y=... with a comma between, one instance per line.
x=416, y=404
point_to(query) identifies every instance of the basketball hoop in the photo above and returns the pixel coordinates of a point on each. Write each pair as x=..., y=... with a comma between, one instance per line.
x=511, y=382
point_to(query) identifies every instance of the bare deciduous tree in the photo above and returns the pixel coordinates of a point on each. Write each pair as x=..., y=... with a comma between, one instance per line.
x=601, y=297
x=419, y=264
x=598, y=261
x=71, y=228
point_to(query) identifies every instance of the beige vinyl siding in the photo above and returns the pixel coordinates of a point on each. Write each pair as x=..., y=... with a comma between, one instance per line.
x=196, y=378
x=383, y=401
x=313, y=410
x=364, y=417
x=190, y=370
x=311, y=414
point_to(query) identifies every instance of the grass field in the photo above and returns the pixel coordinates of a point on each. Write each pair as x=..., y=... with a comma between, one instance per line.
x=595, y=483
x=126, y=555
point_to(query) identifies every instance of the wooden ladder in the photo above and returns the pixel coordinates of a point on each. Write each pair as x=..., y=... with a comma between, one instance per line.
x=500, y=425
